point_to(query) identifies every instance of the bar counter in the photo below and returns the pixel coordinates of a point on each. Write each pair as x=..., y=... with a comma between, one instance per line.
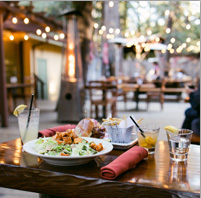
x=154, y=177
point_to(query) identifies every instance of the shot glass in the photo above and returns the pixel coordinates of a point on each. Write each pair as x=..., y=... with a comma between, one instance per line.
x=148, y=141
x=179, y=144
x=28, y=127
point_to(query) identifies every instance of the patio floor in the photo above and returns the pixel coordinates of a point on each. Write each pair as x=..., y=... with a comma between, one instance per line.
x=172, y=114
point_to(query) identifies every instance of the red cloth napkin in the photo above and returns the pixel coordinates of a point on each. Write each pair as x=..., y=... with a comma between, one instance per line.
x=124, y=162
x=52, y=131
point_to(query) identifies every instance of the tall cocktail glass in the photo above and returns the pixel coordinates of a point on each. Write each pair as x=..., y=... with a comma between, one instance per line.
x=28, y=129
x=148, y=141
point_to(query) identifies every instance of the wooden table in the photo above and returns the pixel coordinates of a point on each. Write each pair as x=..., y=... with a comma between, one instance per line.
x=155, y=177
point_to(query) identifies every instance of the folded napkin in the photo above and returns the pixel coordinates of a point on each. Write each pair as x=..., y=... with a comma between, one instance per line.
x=52, y=131
x=124, y=162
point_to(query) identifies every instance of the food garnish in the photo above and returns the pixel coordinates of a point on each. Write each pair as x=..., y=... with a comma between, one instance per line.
x=172, y=129
x=19, y=108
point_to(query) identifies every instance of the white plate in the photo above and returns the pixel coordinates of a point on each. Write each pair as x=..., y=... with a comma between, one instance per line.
x=69, y=160
x=124, y=146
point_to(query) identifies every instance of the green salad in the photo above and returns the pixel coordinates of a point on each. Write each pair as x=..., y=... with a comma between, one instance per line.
x=48, y=146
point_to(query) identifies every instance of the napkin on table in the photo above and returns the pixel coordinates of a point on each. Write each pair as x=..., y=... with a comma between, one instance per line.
x=52, y=131
x=124, y=162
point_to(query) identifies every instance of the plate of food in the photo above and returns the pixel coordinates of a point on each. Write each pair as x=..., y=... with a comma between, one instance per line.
x=67, y=149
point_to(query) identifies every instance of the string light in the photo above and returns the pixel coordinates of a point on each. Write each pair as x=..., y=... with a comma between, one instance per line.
x=149, y=32
x=47, y=29
x=62, y=36
x=95, y=25
x=56, y=37
x=103, y=28
x=126, y=34
x=111, y=4
x=188, y=40
x=14, y=20
x=44, y=35
x=163, y=51
x=169, y=46
x=100, y=31
x=11, y=37
x=117, y=31
x=172, y=40
x=26, y=20
x=168, y=30
x=38, y=32
x=172, y=51
x=157, y=39
x=111, y=30
x=132, y=32
x=183, y=45
x=26, y=37
x=198, y=43
x=188, y=26
x=167, y=12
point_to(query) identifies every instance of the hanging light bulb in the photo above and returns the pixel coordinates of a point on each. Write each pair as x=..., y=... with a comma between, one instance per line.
x=38, y=32
x=11, y=37
x=56, y=37
x=167, y=12
x=157, y=39
x=168, y=30
x=47, y=29
x=172, y=40
x=149, y=32
x=188, y=26
x=111, y=4
x=95, y=25
x=26, y=20
x=103, y=28
x=62, y=36
x=100, y=31
x=26, y=37
x=44, y=35
x=14, y=20
x=111, y=30
x=188, y=40
x=117, y=31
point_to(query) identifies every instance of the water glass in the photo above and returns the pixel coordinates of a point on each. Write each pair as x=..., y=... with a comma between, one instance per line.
x=28, y=127
x=148, y=141
x=179, y=144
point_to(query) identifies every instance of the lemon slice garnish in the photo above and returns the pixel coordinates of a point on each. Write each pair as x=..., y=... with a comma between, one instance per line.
x=19, y=108
x=172, y=129
x=149, y=140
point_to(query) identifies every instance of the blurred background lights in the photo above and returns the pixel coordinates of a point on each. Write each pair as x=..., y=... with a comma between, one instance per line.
x=62, y=36
x=47, y=29
x=157, y=39
x=168, y=30
x=14, y=20
x=26, y=20
x=188, y=40
x=172, y=40
x=126, y=34
x=56, y=37
x=103, y=28
x=183, y=45
x=149, y=32
x=111, y=30
x=117, y=31
x=167, y=12
x=132, y=32
x=188, y=26
x=44, y=35
x=111, y=4
x=95, y=25
x=100, y=31
x=26, y=37
x=38, y=32
x=11, y=37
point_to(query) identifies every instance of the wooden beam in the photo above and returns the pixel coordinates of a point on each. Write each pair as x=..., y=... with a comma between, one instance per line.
x=3, y=91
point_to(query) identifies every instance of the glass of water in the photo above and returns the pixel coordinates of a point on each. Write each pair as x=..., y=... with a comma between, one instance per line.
x=28, y=129
x=179, y=144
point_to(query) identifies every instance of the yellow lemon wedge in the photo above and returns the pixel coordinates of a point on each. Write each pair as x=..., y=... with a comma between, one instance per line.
x=20, y=107
x=149, y=140
x=172, y=129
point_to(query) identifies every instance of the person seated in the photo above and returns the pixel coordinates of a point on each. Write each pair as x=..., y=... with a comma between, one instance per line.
x=192, y=114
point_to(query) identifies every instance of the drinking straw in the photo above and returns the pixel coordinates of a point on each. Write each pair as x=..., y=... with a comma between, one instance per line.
x=29, y=116
x=141, y=131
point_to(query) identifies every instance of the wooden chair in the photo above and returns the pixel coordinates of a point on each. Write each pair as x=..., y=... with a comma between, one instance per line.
x=156, y=93
x=102, y=94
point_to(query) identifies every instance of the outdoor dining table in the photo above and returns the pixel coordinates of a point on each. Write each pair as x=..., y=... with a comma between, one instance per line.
x=155, y=177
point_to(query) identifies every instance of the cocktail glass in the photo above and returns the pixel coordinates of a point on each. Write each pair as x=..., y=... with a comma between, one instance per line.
x=179, y=144
x=149, y=139
x=28, y=127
